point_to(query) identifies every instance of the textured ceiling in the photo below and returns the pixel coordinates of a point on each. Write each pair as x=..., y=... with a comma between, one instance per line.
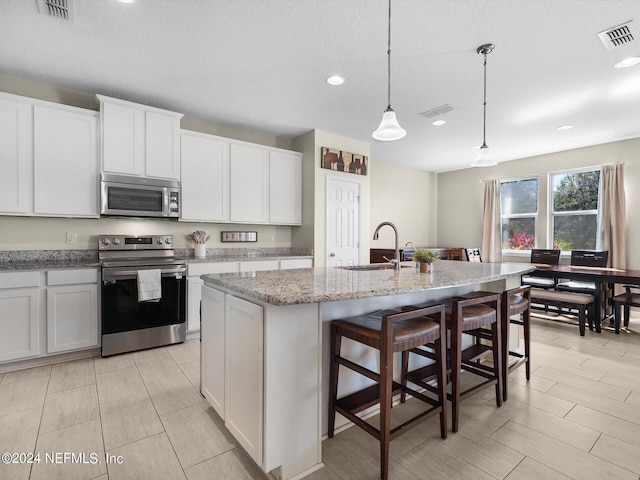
x=262, y=64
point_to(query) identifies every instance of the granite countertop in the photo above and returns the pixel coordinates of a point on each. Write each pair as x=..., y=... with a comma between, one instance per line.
x=314, y=285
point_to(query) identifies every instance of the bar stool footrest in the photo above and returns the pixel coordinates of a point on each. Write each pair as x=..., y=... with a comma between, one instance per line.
x=365, y=398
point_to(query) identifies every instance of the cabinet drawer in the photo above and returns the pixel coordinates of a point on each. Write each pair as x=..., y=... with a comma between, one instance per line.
x=197, y=269
x=70, y=277
x=19, y=279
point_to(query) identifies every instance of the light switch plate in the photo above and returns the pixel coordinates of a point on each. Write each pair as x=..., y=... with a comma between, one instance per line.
x=239, y=236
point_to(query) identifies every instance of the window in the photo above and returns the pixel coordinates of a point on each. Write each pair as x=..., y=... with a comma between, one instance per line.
x=519, y=207
x=574, y=209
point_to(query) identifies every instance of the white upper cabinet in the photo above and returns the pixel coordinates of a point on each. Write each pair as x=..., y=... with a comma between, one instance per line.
x=205, y=178
x=285, y=188
x=249, y=184
x=65, y=161
x=16, y=158
x=139, y=140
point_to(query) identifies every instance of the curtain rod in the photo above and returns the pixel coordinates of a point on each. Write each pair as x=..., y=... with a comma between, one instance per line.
x=483, y=180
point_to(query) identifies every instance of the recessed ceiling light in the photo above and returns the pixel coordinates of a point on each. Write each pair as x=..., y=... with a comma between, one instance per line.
x=564, y=127
x=126, y=1
x=437, y=123
x=335, y=80
x=627, y=62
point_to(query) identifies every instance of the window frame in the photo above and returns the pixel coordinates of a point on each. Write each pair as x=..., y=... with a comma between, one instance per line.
x=551, y=213
x=535, y=215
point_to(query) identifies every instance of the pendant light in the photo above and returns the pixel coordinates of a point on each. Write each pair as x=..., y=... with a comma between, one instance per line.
x=484, y=158
x=389, y=128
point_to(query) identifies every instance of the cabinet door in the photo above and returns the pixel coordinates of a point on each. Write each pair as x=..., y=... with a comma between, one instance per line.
x=244, y=374
x=19, y=322
x=205, y=179
x=212, y=344
x=249, y=171
x=72, y=317
x=285, y=188
x=259, y=265
x=123, y=139
x=162, y=145
x=15, y=156
x=65, y=162
x=194, y=296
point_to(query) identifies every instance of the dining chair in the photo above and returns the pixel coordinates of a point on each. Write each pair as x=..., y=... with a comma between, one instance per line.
x=545, y=257
x=630, y=298
x=473, y=254
x=584, y=258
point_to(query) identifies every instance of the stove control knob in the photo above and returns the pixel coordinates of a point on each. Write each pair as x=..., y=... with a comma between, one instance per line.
x=116, y=241
x=106, y=241
x=159, y=240
x=167, y=240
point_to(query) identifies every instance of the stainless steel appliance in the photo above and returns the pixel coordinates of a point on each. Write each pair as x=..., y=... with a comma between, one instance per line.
x=128, y=324
x=125, y=195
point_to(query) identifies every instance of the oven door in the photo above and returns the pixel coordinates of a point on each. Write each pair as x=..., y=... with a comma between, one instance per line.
x=121, y=310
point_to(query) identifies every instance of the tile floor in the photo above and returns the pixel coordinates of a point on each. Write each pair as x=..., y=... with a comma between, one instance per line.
x=578, y=418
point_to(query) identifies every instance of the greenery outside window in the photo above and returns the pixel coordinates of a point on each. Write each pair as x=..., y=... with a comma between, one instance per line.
x=574, y=209
x=519, y=212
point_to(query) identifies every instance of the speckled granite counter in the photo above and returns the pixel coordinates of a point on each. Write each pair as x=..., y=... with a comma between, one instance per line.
x=316, y=285
x=48, y=259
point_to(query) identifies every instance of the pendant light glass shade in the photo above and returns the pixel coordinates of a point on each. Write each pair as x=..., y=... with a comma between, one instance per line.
x=484, y=158
x=389, y=128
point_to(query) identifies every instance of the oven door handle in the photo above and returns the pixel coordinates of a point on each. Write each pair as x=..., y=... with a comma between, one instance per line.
x=113, y=275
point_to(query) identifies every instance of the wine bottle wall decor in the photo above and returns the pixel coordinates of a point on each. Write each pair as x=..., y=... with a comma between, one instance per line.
x=342, y=161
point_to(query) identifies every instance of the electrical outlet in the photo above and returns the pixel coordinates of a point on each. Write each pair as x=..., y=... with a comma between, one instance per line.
x=72, y=238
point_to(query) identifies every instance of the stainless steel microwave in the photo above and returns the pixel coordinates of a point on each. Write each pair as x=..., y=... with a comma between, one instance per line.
x=125, y=195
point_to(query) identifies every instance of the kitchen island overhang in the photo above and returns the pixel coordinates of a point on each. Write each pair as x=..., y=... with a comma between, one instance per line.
x=281, y=318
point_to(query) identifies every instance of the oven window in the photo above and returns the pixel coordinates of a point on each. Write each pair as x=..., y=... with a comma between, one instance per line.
x=120, y=198
x=121, y=311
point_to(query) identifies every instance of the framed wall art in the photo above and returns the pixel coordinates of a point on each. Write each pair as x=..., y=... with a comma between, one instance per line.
x=342, y=161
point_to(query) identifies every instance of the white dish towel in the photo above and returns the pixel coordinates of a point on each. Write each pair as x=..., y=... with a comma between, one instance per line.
x=149, y=285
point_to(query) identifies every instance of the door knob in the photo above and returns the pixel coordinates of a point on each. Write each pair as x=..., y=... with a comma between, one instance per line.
x=332, y=254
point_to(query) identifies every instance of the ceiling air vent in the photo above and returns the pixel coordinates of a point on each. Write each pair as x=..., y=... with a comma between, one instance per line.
x=619, y=36
x=62, y=9
x=437, y=111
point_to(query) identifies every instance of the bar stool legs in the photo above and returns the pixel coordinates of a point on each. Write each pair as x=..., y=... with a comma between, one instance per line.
x=516, y=301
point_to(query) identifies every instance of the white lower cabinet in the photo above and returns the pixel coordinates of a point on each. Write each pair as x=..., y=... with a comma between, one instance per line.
x=296, y=263
x=259, y=265
x=212, y=336
x=72, y=317
x=243, y=374
x=19, y=323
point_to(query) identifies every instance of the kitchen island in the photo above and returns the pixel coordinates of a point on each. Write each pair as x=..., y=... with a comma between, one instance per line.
x=265, y=346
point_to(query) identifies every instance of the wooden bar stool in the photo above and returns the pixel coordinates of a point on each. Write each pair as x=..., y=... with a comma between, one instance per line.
x=388, y=331
x=469, y=316
x=516, y=301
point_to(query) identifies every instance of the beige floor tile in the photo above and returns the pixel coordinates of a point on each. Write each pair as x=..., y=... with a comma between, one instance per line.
x=192, y=372
x=18, y=434
x=566, y=378
x=535, y=382
x=28, y=374
x=20, y=396
x=615, y=427
x=119, y=384
x=618, y=365
x=541, y=400
x=115, y=362
x=128, y=420
x=86, y=439
x=529, y=469
x=558, y=455
x=633, y=398
x=622, y=381
x=231, y=465
x=585, y=372
x=184, y=352
x=71, y=375
x=196, y=434
x=69, y=407
x=622, y=410
x=325, y=473
x=151, y=458
x=556, y=427
x=618, y=452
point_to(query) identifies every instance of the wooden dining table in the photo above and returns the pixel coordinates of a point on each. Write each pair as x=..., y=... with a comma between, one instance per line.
x=595, y=275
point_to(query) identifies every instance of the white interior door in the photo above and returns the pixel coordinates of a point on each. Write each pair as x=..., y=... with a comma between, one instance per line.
x=343, y=222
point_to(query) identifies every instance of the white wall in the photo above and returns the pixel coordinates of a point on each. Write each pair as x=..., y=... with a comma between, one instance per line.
x=407, y=197
x=460, y=193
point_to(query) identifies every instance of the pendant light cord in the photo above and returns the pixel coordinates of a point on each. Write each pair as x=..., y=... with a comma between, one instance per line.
x=389, y=62
x=484, y=121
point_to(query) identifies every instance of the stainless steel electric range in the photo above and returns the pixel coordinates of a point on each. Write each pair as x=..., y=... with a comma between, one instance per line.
x=127, y=323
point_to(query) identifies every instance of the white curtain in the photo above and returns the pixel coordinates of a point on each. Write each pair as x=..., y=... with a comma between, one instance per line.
x=614, y=215
x=491, y=224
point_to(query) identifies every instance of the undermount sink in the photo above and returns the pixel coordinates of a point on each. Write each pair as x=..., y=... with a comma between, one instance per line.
x=376, y=266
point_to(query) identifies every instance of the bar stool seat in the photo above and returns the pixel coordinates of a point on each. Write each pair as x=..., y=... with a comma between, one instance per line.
x=470, y=316
x=388, y=331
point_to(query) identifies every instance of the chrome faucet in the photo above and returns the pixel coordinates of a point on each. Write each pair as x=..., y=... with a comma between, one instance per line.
x=376, y=235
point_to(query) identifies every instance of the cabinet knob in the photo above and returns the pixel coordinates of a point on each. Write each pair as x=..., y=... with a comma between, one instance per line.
x=332, y=254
